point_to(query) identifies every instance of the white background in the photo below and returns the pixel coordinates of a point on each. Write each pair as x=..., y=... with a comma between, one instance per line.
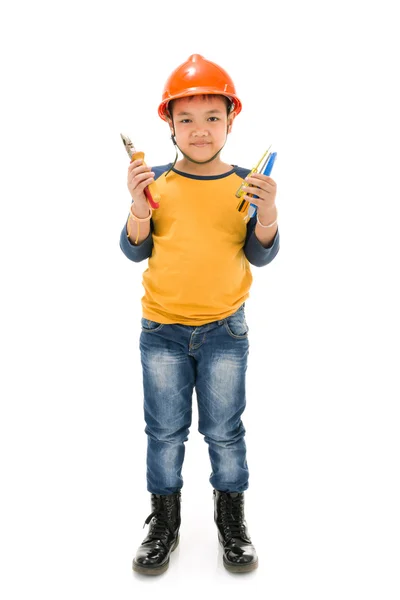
x=319, y=81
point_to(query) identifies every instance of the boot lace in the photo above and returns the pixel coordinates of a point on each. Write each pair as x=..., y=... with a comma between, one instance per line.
x=232, y=516
x=162, y=520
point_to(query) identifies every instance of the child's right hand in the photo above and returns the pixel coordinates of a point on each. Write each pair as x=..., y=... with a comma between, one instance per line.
x=139, y=177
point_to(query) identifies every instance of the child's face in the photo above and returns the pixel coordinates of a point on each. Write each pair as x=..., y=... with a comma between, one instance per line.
x=201, y=125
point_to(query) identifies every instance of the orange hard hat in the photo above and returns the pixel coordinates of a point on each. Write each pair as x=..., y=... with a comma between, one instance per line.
x=198, y=76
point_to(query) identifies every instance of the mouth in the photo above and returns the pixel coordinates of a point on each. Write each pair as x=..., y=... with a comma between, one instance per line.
x=201, y=144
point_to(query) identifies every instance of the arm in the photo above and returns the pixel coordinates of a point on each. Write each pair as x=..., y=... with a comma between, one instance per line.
x=143, y=249
x=262, y=243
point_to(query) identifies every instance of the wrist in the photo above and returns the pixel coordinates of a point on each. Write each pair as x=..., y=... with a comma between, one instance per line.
x=268, y=219
x=268, y=214
x=141, y=212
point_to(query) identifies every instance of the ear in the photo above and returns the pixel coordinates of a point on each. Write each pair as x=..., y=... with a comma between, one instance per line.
x=170, y=123
x=230, y=122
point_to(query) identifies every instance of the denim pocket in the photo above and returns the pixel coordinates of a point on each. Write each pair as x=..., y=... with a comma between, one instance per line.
x=151, y=326
x=236, y=324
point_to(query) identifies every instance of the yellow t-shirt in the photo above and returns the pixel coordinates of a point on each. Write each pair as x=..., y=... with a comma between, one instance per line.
x=198, y=271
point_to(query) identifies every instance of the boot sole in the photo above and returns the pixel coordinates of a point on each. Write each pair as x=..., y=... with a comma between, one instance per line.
x=245, y=568
x=157, y=570
x=232, y=568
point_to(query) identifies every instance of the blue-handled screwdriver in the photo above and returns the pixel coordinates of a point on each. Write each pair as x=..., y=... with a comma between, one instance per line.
x=265, y=170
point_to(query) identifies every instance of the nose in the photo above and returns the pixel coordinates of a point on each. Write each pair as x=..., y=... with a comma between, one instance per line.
x=200, y=133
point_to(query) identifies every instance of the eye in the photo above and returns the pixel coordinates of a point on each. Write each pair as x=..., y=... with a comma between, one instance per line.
x=216, y=119
x=185, y=121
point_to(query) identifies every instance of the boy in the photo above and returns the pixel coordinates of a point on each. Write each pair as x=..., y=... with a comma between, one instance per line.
x=194, y=332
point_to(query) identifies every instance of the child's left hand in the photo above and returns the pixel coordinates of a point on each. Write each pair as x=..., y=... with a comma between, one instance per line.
x=265, y=189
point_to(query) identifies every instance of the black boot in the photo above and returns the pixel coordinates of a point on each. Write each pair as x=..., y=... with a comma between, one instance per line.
x=239, y=553
x=152, y=558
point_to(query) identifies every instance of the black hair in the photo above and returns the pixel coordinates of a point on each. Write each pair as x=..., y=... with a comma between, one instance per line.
x=229, y=103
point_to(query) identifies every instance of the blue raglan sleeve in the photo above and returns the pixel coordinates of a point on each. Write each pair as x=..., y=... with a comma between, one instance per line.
x=139, y=252
x=144, y=249
x=254, y=251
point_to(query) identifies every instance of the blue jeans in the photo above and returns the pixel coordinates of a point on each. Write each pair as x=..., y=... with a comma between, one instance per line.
x=213, y=359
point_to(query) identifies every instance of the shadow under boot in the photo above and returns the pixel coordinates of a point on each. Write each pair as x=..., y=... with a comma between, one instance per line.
x=152, y=557
x=239, y=553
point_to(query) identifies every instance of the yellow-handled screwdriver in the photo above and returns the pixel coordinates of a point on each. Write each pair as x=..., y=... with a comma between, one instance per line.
x=244, y=204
